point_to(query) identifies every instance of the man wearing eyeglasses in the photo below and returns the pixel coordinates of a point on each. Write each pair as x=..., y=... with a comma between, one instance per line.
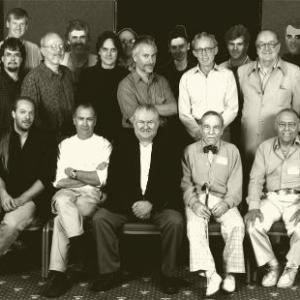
x=268, y=85
x=127, y=38
x=276, y=170
x=50, y=86
x=206, y=87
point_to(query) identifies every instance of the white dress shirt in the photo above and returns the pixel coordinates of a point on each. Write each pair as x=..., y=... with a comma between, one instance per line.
x=145, y=161
x=199, y=93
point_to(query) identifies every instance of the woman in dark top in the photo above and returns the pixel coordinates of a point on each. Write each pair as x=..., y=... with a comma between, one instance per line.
x=98, y=85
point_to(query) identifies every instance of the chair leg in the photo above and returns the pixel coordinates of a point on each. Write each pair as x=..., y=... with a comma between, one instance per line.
x=45, y=249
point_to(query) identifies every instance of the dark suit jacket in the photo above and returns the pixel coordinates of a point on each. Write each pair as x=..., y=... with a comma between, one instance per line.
x=123, y=183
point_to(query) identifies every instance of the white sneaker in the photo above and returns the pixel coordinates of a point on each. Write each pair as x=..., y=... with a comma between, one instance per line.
x=271, y=278
x=213, y=284
x=229, y=284
x=288, y=277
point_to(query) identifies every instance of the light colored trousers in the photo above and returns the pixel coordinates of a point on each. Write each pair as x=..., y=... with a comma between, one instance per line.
x=71, y=207
x=233, y=232
x=273, y=209
x=13, y=223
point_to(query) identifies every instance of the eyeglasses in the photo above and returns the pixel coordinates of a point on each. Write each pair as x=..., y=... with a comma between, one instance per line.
x=128, y=42
x=288, y=125
x=207, y=50
x=144, y=123
x=270, y=45
x=54, y=47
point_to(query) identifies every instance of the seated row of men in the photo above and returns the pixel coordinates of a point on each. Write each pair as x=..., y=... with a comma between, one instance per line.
x=139, y=179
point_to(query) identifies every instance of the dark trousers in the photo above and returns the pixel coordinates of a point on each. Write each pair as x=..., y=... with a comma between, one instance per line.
x=107, y=225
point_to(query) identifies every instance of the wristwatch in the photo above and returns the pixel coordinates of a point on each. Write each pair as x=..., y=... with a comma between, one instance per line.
x=74, y=174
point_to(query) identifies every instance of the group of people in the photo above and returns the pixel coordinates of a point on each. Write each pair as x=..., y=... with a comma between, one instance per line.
x=149, y=147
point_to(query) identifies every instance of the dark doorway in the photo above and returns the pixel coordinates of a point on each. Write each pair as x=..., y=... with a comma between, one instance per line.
x=157, y=18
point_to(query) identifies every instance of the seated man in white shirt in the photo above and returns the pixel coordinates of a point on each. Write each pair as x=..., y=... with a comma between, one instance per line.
x=81, y=172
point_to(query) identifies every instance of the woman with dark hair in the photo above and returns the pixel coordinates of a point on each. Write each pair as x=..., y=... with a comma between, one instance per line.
x=99, y=85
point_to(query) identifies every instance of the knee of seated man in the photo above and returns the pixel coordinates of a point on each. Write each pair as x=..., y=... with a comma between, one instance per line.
x=62, y=199
x=14, y=223
x=100, y=216
x=85, y=206
x=174, y=219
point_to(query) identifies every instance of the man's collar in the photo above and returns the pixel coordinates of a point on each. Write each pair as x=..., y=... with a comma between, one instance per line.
x=279, y=65
x=137, y=78
x=50, y=73
x=215, y=68
x=276, y=144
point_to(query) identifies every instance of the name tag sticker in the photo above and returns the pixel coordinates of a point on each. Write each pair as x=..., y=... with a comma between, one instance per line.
x=222, y=160
x=293, y=170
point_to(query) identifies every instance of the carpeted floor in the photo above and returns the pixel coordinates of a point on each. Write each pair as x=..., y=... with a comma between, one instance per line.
x=28, y=285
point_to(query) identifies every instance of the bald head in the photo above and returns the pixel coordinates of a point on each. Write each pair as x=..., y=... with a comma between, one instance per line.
x=52, y=48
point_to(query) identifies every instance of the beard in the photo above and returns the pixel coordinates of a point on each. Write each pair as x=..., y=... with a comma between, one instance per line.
x=79, y=47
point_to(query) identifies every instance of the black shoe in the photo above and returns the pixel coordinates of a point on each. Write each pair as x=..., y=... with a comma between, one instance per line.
x=105, y=282
x=170, y=285
x=56, y=285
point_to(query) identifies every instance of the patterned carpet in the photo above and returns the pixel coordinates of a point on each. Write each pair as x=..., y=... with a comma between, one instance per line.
x=29, y=285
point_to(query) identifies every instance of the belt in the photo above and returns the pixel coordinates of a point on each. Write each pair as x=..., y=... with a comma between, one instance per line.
x=283, y=192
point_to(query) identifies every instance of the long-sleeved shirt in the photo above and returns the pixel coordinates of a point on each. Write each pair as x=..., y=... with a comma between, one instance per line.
x=273, y=171
x=199, y=93
x=33, y=161
x=133, y=91
x=263, y=102
x=84, y=155
x=224, y=174
x=53, y=95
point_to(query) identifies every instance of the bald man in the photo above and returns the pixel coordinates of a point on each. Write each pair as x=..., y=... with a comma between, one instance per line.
x=50, y=86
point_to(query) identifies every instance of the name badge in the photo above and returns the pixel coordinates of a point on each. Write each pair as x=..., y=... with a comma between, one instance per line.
x=222, y=160
x=293, y=170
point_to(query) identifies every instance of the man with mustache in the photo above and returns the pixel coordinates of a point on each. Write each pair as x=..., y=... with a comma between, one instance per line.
x=17, y=25
x=292, y=42
x=12, y=53
x=144, y=86
x=27, y=160
x=79, y=57
x=206, y=87
x=50, y=85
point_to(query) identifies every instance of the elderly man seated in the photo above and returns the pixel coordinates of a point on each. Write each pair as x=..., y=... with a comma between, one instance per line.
x=276, y=171
x=212, y=186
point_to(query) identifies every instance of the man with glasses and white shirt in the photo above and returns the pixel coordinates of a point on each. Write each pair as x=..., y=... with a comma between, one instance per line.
x=268, y=85
x=206, y=87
